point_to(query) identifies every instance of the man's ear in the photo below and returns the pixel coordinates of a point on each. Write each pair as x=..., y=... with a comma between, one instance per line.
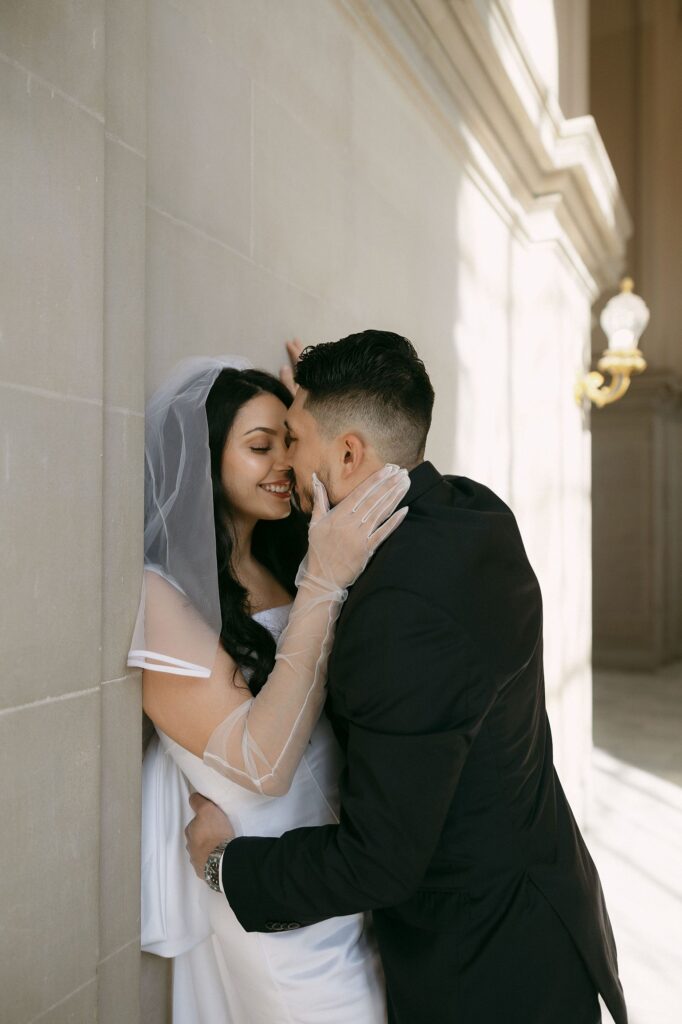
x=353, y=455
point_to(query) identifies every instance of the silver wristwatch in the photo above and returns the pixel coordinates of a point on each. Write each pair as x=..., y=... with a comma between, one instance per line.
x=212, y=866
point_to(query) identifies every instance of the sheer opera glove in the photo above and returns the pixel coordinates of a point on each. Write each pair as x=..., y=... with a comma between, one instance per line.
x=260, y=744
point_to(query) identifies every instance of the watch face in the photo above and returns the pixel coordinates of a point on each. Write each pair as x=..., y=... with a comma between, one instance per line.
x=211, y=874
x=212, y=868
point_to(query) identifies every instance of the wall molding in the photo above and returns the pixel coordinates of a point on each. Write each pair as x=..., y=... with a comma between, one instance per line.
x=550, y=176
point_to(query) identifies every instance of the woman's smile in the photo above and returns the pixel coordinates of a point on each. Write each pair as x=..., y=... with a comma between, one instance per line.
x=278, y=488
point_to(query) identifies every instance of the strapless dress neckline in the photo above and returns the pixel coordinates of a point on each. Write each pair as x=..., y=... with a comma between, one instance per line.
x=279, y=612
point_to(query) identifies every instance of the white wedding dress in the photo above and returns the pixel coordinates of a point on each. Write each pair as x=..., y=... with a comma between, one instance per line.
x=327, y=973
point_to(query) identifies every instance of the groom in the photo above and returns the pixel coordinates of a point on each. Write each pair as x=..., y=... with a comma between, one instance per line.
x=454, y=828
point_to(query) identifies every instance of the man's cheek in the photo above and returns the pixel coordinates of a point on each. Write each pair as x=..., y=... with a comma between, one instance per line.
x=308, y=499
x=307, y=502
x=301, y=499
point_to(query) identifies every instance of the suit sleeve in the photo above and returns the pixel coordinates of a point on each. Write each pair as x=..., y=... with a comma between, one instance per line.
x=415, y=692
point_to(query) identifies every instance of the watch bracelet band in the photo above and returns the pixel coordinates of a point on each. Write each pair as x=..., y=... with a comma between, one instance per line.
x=212, y=866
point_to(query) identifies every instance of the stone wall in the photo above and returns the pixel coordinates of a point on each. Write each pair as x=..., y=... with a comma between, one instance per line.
x=72, y=122
x=312, y=168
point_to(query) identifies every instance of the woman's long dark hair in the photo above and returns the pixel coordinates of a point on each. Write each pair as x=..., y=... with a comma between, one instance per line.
x=279, y=545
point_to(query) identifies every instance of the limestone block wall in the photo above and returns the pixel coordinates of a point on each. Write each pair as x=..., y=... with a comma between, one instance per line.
x=206, y=176
x=72, y=122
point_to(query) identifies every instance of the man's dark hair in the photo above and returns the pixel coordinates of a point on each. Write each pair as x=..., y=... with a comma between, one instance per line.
x=373, y=383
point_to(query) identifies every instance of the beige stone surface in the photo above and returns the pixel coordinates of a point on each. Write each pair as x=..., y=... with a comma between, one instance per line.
x=521, y=321
x=199, y=138
x=118, y=986
x=301, y=52
x=50, y=545
x=51, y=210
x=549, y=464
x=61, y=42
x=536, y=21
x=122, y=549
x=78, y=1008
x=125, y=85
x=204, y=298
x=119, y=871
x=49, y=890
x=72, y=378
x=155, y=989
x=573, y=41
x=124, y=278
x=301, y=201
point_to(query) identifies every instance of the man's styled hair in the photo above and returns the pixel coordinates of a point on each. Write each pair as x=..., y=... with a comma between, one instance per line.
x=373, y=383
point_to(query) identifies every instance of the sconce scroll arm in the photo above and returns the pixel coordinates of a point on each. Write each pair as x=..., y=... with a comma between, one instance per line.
x=622, y=366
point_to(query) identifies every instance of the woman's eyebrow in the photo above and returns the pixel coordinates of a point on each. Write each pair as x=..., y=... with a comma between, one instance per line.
x=266, y=430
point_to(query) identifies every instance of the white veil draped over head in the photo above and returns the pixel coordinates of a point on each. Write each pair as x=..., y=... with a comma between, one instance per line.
x=178, y=623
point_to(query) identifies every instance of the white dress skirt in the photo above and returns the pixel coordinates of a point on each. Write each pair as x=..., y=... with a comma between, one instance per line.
x=327, y=973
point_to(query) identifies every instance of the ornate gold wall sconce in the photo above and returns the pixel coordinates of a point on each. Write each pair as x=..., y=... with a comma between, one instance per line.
x=623, y=321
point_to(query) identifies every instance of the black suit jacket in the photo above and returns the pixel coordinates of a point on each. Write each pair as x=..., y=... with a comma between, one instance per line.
x=454, y=827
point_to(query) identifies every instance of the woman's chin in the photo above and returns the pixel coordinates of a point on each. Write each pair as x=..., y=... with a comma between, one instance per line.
x=277, y=513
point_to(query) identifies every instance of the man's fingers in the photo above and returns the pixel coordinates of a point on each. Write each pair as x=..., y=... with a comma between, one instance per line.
x=197, y=801
x=294, y=348
x=286, y=375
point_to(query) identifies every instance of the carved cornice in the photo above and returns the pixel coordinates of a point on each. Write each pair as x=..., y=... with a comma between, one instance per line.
x=552, y=177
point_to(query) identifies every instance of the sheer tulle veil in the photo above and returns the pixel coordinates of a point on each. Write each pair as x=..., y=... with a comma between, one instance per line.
x=178, y=622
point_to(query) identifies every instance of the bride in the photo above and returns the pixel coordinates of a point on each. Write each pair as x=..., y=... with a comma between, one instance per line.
x=236, y=620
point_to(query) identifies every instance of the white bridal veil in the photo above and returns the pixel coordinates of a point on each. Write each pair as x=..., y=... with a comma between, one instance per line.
x=178, y=622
